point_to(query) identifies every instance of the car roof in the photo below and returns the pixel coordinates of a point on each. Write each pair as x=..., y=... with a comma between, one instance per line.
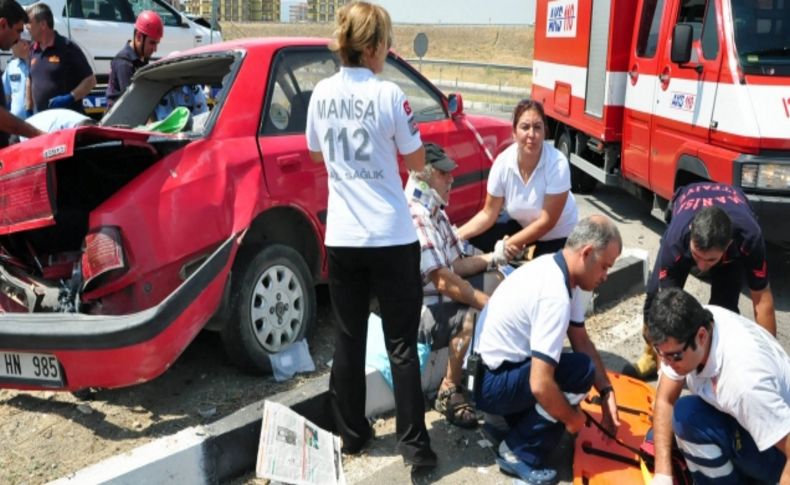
x=252, y=44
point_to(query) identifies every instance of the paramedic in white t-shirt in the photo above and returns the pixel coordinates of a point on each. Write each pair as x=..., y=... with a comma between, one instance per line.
x=531, y=180
x=527, y=378
x=356, y=124
x=735, y=427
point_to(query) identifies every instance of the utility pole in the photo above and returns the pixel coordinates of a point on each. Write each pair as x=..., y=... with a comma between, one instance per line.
x=214, y=18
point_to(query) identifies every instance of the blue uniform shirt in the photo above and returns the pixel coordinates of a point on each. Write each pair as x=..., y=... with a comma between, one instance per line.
x=14, y=82
x=189, y=96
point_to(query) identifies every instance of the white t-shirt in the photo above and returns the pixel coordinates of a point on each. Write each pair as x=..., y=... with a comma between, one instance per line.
x=529, y=313
x=358, y=122
x=747, y=376
x=524, y=202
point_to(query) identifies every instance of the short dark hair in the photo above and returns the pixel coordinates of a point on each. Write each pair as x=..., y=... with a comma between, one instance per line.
x=42, y=13
x=711, y=228
x=675, y=313
x=12, y=12
x=526, y=105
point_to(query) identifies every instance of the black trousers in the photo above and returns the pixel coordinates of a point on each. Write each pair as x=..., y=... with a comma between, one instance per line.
x=392, y=275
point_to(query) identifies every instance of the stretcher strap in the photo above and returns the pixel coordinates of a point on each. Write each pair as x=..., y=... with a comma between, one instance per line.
x=639, y=452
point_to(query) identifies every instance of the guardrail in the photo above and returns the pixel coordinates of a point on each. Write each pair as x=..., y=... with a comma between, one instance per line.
x=483, y=65
x=502, y=95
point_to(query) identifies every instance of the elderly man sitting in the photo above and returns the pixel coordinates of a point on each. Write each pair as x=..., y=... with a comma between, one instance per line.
x=450, y=302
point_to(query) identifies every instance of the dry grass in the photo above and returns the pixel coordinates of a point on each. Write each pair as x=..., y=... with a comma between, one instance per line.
x=495, y=44
x=499, y=44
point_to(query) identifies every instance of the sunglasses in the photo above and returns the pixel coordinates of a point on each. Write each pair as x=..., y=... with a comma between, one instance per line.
x=678, y=355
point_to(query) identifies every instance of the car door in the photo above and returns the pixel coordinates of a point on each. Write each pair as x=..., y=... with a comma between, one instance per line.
x=93, y=25
x=641, y=89
x=290, y=173
x=455, y=135
x=685, y=94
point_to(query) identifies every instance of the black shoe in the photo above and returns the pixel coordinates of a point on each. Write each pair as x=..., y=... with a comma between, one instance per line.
x=425, y=458
x=355, y=447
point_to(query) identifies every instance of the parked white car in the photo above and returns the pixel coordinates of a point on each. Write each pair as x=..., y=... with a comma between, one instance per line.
x=100, y=28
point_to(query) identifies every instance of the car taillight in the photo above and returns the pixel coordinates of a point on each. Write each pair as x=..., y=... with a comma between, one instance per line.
x=25, y=197
x=102, y=256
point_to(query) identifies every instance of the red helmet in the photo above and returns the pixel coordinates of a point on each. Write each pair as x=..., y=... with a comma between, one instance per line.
x=150, y=24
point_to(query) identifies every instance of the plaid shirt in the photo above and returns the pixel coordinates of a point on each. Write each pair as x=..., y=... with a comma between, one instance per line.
x=439, y=244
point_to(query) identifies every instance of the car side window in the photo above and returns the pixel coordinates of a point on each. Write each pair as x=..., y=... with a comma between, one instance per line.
x=169, y=17
x=74, y=10
x=109, y=10
x=425, y=102
x=294, y=74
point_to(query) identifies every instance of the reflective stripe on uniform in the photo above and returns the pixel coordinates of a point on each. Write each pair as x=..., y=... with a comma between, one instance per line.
x=696, y=453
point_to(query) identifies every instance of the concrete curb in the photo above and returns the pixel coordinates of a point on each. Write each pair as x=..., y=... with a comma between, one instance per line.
x=213, y=453
x=228, y=447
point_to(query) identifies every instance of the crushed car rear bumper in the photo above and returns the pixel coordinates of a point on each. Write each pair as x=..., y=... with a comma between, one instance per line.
x=116, y=351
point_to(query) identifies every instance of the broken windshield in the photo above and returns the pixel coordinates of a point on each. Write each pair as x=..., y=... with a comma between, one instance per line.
x=195, y=84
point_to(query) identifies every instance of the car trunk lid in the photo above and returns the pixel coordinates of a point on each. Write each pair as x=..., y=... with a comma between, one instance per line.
x=27, y=182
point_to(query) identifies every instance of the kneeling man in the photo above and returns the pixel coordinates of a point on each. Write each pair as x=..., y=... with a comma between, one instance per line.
x=450, y=302
x=735, y=426
x=527, y=378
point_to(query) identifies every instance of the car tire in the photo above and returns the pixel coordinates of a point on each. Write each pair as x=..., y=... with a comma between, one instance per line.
x=581, y=183
x=273, y=304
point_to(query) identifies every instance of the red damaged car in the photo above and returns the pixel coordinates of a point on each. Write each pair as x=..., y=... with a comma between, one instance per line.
x=118, y=245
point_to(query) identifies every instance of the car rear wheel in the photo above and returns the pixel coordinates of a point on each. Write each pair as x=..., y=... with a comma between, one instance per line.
x=273, y=305
x=581, y=183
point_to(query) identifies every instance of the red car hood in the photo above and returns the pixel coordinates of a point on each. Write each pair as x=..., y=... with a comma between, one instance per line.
x=27, y=190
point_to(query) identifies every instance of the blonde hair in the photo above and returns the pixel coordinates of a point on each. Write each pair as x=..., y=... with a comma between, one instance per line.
x=360, y=25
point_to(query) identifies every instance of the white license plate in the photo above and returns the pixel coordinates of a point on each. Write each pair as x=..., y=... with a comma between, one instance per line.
x=30, y=368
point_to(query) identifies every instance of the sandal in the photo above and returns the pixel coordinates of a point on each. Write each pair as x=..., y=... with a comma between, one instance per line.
x=457, y=411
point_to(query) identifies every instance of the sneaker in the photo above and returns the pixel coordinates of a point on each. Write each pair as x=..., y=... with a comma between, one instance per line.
x=510, y=464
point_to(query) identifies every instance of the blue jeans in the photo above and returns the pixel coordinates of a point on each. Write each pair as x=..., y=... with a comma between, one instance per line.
x=533, y=434
x=718, y=449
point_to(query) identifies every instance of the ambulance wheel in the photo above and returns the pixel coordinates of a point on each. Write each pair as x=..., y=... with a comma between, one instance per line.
x=581, y=183
x=273, y=305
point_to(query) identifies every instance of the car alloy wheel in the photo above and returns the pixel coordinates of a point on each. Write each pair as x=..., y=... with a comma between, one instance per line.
x=273, y=305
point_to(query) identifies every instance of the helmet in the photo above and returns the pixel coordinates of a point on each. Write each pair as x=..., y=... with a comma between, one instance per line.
x=150, y=24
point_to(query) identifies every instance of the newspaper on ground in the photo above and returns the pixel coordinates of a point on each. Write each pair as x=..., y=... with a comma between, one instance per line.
x=294, y=450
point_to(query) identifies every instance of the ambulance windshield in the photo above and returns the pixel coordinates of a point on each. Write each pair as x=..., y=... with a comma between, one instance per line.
x=762, y=36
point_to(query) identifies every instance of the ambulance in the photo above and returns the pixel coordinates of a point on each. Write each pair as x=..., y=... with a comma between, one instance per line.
x=651, y=95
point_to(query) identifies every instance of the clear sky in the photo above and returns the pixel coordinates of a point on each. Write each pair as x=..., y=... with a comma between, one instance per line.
x=452, y=11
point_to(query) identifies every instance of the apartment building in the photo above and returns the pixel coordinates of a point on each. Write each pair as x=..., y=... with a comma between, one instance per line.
x=323, y=10
x=237, y=10
x=298, y=12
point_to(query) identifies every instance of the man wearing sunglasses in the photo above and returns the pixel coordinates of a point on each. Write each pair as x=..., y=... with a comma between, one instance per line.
x=735, y=427
x=713, y=229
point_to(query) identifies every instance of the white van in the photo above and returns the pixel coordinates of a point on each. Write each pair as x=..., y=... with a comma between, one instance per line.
x=101, y=27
